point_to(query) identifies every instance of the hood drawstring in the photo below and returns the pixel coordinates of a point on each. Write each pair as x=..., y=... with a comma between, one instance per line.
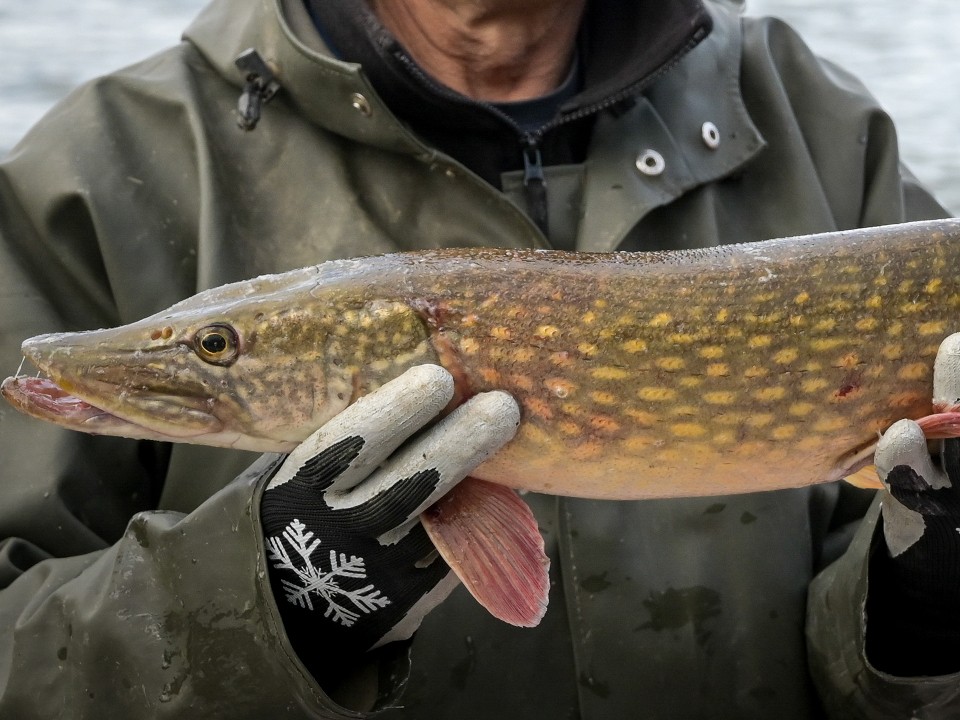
x=260, y=87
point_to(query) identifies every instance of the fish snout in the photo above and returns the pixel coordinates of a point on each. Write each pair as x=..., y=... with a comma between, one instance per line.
x=43, y=349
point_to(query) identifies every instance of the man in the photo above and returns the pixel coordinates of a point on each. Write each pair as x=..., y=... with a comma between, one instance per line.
x=144, y=579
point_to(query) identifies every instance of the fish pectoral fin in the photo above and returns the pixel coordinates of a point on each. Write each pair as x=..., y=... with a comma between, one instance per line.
x=941, y=426
x=866, y=478
x=490, y=539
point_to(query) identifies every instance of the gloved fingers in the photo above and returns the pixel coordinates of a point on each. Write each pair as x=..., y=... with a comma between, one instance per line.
x=946, y=395
x=903, y=461
x=946, y=374
x=907, y=470
x=390, y=501
x=943, y=423
x=351, y=445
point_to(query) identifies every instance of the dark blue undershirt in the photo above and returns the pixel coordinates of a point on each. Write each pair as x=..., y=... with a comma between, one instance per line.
x=533, y=114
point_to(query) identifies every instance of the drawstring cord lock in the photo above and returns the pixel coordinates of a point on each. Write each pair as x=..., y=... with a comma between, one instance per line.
x=260, y=87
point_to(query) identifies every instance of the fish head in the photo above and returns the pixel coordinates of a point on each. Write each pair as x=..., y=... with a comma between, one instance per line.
x=211, y=380
x=257, y=368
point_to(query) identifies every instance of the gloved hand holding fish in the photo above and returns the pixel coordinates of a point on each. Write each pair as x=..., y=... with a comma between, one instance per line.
x=638, y=375
x=915, y=577
x=348, y=560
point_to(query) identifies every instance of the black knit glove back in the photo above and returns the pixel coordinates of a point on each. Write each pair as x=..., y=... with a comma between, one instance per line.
x=350, y=564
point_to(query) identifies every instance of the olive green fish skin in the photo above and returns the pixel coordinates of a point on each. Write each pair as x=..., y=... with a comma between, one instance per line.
x=713, y=371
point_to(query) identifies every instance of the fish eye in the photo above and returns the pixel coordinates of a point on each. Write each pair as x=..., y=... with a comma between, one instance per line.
x=217, y=344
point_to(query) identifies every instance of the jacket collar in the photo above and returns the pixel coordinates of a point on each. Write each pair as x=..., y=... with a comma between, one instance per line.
x=702, y=86
x=669, y=119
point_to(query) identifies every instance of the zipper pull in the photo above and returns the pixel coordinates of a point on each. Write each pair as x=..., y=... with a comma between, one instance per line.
x=260, y=87
x=535, y=184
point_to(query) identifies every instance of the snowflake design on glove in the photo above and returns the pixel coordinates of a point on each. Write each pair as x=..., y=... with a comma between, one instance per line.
x=313, y=581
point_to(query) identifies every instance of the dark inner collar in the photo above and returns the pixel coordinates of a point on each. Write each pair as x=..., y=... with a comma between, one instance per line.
x=622, y=47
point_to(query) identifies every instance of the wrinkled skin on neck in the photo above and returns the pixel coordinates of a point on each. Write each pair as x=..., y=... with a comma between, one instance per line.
x=493, y=50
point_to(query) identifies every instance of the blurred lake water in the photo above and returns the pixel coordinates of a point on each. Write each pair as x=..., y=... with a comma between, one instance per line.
x=906, y=53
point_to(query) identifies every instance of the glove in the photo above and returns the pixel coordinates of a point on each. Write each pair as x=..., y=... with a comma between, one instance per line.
x=913, y=627
x=350, y=565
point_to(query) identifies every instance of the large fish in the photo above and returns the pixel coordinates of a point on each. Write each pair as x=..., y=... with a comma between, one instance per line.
x=723, y=370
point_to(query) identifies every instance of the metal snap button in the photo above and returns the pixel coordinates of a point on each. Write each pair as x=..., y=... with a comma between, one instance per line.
x=710, y=135
x=650, y=162
x=359, y=103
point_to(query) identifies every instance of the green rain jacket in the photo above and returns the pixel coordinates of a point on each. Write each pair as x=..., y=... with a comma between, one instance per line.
x=133, y=573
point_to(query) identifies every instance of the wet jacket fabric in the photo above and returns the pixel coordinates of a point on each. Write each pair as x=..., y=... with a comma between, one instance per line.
x=133, y=573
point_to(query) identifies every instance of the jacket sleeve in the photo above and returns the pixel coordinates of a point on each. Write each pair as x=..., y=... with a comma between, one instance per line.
x=836, y=617
x=836, y=631
x=173, y=620
x=108, y=606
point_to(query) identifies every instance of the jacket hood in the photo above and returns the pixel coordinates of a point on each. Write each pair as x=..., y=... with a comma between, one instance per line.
x=622, y=47
x=285, y=36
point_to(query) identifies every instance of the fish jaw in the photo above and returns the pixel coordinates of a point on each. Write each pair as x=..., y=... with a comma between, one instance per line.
x=44, y=399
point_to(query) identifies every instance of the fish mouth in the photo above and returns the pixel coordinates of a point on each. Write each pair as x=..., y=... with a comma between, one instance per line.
x=58, y=402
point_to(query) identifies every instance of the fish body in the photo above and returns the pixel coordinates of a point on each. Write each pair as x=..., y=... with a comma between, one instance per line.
x=722, y=370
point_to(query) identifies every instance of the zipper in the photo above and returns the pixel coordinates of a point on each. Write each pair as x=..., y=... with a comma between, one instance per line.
x=535, y=184
x=534, y=180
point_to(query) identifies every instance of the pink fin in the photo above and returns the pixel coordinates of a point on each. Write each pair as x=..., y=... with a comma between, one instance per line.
x=490, y=539
x=941, y=426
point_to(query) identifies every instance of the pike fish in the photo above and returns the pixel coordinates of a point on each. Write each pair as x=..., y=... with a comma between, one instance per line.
x=639, y=375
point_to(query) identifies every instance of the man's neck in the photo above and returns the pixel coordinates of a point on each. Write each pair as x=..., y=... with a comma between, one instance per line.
x=493, y=50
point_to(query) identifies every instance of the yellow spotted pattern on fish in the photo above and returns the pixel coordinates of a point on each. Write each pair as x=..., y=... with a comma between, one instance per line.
x=757, y=360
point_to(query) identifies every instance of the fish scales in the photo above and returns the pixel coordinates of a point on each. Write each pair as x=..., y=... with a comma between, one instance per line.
x=721, y=370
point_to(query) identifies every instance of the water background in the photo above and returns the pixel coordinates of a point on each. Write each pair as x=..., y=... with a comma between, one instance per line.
x=907, y=53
